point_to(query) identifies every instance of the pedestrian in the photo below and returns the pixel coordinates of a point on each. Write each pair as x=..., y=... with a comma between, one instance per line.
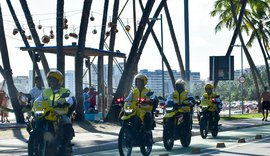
x=93, y=98
x=265, y=101
x=37, y=90
x=22, y=99
x=86, y=99
x=4, y=104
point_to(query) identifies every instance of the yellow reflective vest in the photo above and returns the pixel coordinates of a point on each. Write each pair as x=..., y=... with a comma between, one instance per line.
x=136, y=94
x=179, y=98
x=48, y=94
x=206, y=100
x=143, y=108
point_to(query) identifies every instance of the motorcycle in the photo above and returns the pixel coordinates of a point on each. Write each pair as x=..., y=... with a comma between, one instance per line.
x=208, y=120
x=133, y=132
x=161, y=105
x=46, y=137
x=177, y=123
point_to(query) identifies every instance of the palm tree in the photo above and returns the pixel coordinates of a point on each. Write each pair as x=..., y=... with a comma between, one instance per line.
x=19, y=27
x=259, y=22
x=228, y=11
x=79, y=59
x=34, y=33
x=59, y=37
x=129, y=71
x=8, y=73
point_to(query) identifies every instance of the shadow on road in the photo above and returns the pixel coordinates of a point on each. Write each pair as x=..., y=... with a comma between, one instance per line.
x=19, y=134
x=103, y=128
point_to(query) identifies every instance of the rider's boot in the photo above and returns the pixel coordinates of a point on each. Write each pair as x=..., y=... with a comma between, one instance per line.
x=69, y=131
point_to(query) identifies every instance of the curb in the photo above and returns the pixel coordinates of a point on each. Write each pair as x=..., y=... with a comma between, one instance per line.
x=12, y=125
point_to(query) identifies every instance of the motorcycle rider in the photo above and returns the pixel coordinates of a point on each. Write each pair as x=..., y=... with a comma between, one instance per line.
x=206, y=100
x=179, y=96
x=141, y=92
x=55, y=80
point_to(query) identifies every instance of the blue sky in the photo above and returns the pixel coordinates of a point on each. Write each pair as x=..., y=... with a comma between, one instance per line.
x=204, y=42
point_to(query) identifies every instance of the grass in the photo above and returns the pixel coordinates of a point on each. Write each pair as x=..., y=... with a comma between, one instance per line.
x=242, y=116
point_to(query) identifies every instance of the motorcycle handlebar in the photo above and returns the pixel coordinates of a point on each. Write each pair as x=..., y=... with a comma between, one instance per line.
x=61, y=105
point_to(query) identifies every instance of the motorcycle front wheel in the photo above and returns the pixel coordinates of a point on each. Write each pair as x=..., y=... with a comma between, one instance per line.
x=204, y=127
x=146, y=149
x=146, y=146
x=168, y=139
x=124, y=142
x=186, y=139
x=36, y=145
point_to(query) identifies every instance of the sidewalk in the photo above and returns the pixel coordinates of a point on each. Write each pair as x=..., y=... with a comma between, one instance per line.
x=92, y=137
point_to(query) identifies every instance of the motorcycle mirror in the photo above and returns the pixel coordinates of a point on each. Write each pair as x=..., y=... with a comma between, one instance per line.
x=190, y=98
x=170, y=103
x=160, y=98
x=64, y=95
x=149, y=93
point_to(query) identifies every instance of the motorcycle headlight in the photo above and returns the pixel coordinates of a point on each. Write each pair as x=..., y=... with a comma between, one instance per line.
x=169, y=108
x=204, y=108
x=39, y=113
x=128, y=111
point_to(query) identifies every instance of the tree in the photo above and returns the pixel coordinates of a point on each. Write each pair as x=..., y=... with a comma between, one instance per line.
x=228, y=11
x=8, y=73
x=79, y=59
x=129, y=71
x=20, y=30
x=59, y=37
x=258, y=20
x=34, y=33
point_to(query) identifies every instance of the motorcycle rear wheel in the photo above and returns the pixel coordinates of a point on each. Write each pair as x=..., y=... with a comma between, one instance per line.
x=168, y=139
x=124, y=142
x=215, y=131
x=204, y=127
x=66, y=149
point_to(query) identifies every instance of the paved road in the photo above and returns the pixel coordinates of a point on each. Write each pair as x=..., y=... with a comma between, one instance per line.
x=94, y=137
x=208, y=146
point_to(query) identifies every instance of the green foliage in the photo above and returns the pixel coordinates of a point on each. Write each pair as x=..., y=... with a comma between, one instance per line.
x=233, y=88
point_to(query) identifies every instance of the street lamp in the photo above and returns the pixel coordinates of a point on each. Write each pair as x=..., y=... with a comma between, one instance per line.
x=241, y=78
x=162, y=50
x=162, y=64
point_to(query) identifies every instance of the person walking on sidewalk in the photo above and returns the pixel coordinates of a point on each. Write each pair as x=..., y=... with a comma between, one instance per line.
x=265, y=100
x=86, y=100
x=4, y=104
x=93, y=97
